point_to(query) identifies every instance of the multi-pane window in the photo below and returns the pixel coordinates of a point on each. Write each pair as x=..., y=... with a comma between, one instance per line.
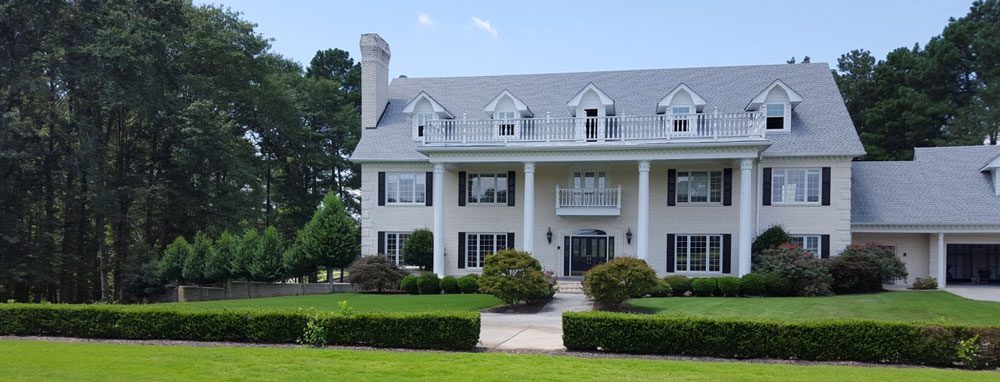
x=810, y=243
x=487, y=188
x=795, y=185
x=505, y=123
x=423, y=120
x=775, y=113
x=699, y=187
x=405, y=188
x=480, y=245
x=698, y=253
x=394, y=242
x=681, y=121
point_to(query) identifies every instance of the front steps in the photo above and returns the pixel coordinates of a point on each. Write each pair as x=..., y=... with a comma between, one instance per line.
x=569, y=286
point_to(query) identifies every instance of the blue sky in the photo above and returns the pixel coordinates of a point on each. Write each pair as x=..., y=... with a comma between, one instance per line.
x=454, y=38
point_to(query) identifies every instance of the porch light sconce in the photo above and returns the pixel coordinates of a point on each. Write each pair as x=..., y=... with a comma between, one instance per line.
x=548, y=235
x=628, y=235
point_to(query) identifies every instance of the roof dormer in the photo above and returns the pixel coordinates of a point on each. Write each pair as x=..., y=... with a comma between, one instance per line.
x=591, y=98
x=994, y=169
x=681, y=96
x=422, y=109
x=506, y=102
x=776, y=102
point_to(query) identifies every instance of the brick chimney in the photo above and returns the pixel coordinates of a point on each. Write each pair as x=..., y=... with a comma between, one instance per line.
x=374, y=79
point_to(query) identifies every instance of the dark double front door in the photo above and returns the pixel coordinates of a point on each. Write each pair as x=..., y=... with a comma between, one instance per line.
x=582, y=252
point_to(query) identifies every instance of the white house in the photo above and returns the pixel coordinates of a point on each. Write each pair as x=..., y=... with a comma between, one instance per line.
x=679, y=167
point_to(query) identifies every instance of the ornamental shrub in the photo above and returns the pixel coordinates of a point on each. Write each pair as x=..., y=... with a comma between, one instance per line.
x=375, y=273
x=449, y=285
x=776, y=285
x=515, y=277
x=679, y=285
x=752, y=284
x=807, y=275
x=771, y=238
x=925, y=283
x=429, y=283
x=469, y=284
x=662, y=289
x=865, y=267
x=613, y=282
x=419, y=249
x=729, y=286
x=705, y=286
x=409, y=284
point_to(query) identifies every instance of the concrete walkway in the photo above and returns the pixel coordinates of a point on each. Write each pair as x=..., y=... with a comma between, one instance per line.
x=976, y=292
x=538, y=331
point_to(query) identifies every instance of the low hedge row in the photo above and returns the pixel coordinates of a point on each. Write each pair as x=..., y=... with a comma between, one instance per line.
x=446, y=331
x=828, y=340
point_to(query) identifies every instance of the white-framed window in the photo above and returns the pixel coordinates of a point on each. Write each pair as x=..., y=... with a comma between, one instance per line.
x=394, y=242
x=405, y=188
x=487, y=188
x=505, y=123
x=422, y=122
x=480, y=245
x=810, y=243
x=699, y=187
x=796, y=185
x=682, y=119
x=777, y=115
x=697, y=253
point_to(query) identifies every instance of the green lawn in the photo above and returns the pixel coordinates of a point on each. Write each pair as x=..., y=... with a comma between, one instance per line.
x=885, y=306
x=53, y=361
x=359, y=302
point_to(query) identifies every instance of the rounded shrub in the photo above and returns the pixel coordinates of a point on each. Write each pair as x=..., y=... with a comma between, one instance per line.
x=865, y=267
x=729, y=286
x=375, y=273
x=449, y=285
x=409, y=284
x=752, y=284
x=469, y=284
x=807, y=275
x=613, y=282
x=777, y=285
x=705, y=286
x=925, y=283
x=429, y=283
x=662, y=289
x=771, y=238
x=514, y=277
x=679, y=285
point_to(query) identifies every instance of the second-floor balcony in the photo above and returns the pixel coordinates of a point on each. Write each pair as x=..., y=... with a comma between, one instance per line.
x=702, y=127
x=588, y=201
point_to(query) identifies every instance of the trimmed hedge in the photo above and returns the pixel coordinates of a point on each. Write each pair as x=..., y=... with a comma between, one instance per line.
x=447, y=331
x=826, y=340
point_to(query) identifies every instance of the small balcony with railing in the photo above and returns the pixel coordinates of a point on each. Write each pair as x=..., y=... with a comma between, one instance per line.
x=589, y=201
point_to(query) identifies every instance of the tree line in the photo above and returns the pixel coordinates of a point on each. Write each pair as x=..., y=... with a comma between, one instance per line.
x=124, y=125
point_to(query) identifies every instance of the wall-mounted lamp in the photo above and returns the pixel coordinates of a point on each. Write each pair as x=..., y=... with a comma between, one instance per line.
x=628, y=235
x=548, y=235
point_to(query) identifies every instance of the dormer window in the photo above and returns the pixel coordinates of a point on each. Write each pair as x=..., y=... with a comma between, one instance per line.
x=775, y=114
x=682, y=122
x=422, y=110
x=422, y=119
x=505, y=125
x=775, y=104
x=508, y=113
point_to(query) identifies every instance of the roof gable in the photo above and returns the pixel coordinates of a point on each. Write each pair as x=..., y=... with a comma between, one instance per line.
x=761, y=98
x=699, y=103
x=435, y=105
x=607, y=102
x=519, y=105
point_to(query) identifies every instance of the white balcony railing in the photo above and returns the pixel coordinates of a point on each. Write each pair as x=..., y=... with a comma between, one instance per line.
x=589, y=198
x=690, y=127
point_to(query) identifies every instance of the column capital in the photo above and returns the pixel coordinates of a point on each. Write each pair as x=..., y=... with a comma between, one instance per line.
x=529, y=167
x=439, y=168
x=644, y=166
x=746, y=164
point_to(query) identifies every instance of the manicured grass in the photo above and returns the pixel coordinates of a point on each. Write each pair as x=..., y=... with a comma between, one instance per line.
x=357, y=301
x=55, y=361
x=936, y=306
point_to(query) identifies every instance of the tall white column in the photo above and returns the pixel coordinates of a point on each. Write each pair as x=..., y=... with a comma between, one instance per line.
x=642, y=230
x=438, y=200
x=942, y=265
x=746, y=208
x=528, y=233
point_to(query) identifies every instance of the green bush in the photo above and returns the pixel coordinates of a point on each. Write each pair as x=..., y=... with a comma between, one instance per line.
x=469, y=284
x=705, y=286
x=925, y=283
x=611, y=283
x=515, y=277
x=409, y=284
x=864, y=268
x=680, y=285
x=771, y=238
x=752, y=284
x=419, y=249
x=777, y=285
x=662, y=289
x=170, y=267
x=429, y=283
x=807, y=275
x=375, y=273
x=447, y=331
x=825, y=340
x=729, y=286
x=449, y=285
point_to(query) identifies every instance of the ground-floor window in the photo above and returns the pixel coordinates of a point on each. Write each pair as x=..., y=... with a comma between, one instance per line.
x=480, y=245
x=698, y=253
x=394, y=242
x=810, y=243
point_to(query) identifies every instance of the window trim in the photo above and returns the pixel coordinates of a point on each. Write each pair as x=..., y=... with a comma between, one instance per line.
x=786, y=122
x=469, y=176
x=420, y=130
x=775, y=190
x=819, y=243
x=399, y=244
x=481, y=260
x=722, y=187
x=418, y=178
x=687, y=255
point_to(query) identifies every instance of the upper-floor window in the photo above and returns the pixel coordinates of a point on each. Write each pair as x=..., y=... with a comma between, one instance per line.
x=487, y=188
x=810, y=243
x=405, y=188
x=505, y=122
x=776, y=118
x=699, y=187
x=682, y=122
x=698, y=253
x=796, y=185
x=423, y=120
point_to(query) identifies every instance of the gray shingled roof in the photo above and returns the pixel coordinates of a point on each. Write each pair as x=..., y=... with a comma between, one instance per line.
x=820, y=124
x=942, y=185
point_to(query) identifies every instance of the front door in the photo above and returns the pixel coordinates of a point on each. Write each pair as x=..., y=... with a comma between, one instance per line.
x=583, y=252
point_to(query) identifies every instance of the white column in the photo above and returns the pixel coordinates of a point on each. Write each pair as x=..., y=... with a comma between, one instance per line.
x=528, y=233
x=642, y=231
x=942, y=265
x=746, y=205
x=438, y=200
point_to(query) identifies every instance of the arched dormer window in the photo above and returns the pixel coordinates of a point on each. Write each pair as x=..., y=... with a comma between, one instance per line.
x=423, y=109
x=681, y=104
x=776, y=102
x=506, y=109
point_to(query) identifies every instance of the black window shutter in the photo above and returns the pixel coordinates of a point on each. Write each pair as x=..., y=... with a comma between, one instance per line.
x=510, y=240
x=671, y=187
x=429, y=189
x=670, y=252
x=824, y=247
x=566, y=256
x=727, y=187
x=381, y=242
x=381, y=188
x=826, y=186
x=511, y=189
x=461, y=250
x=727, y=253
x=766, y=187
x=461, y=188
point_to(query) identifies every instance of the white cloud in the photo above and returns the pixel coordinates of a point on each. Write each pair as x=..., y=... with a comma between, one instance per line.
x=424, y=20
x=485, y=26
